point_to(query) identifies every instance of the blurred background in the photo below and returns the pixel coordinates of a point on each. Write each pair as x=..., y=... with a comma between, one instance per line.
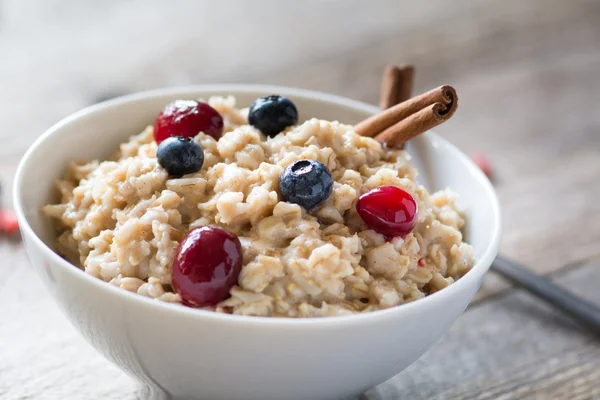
x=527, y=74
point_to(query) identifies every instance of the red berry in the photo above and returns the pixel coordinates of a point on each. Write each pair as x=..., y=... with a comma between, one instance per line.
x=9, y=221
x=388, y=210
x=187, y=118
x=207, y=264
x=483, y=163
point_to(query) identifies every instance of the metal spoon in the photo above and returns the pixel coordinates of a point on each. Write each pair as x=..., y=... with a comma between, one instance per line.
x=581, y=310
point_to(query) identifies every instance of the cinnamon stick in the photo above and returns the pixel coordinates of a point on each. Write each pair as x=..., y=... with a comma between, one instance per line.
x=396, y=85
x=444, y=95
x=417, y=123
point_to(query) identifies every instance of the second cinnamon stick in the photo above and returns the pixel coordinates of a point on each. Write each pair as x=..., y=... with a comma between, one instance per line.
x=396, y=85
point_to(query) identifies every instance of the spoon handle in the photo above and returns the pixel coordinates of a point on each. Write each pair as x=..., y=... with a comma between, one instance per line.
x=581, y=310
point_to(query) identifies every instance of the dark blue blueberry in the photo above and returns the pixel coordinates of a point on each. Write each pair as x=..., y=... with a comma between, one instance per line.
x=180, y=156
x=272, y=114
x=307, y=183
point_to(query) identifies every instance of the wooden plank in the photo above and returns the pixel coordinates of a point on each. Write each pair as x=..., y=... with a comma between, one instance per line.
x=42, y=355
x=513, y=347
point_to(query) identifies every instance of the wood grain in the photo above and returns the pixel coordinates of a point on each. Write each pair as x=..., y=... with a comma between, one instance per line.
x=511, y=348
x=527, y=76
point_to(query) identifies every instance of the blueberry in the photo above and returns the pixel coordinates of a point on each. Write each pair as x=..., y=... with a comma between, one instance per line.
x=272, y=114
x=307, y=183
x=180, y=156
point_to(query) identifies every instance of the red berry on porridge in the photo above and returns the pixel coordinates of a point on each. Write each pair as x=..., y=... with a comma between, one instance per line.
x=187, y=118
x=206, y=266
x=388, y=210
x=263, y=218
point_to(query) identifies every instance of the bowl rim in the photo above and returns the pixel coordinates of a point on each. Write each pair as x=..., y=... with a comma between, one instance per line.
x=480, y=267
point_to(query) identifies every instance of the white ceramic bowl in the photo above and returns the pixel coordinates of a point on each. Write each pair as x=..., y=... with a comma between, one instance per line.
x=179, y=352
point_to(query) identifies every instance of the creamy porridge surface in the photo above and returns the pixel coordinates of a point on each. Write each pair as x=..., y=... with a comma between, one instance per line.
x=121, y=220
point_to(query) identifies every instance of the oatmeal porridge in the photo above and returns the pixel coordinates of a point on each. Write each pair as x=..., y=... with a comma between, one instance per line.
x=245, y=211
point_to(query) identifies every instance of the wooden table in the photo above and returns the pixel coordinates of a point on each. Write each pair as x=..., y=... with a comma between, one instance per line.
x=528, y=78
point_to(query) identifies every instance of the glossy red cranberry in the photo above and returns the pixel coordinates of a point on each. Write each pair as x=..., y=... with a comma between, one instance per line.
x=206, y=266
x=388, y=210
x=186, y=118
